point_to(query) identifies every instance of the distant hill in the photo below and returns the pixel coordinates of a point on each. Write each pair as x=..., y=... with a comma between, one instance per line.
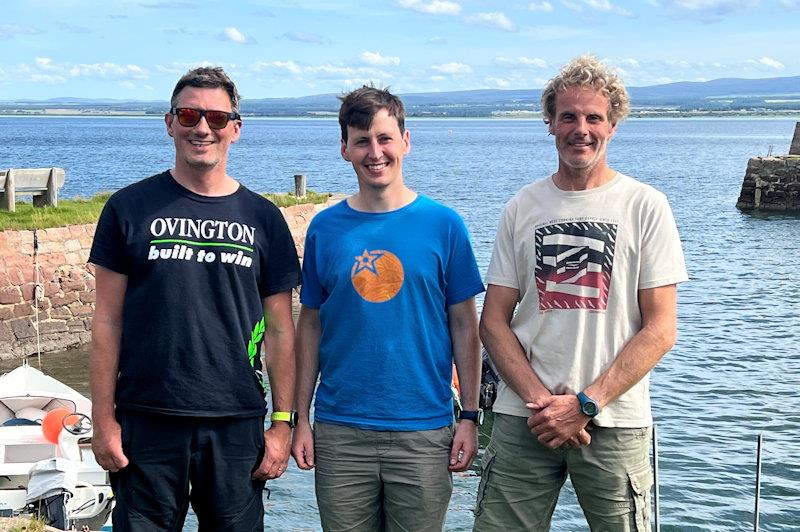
x=720, y=95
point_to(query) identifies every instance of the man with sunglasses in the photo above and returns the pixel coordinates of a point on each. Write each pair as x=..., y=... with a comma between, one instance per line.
x=193, y=273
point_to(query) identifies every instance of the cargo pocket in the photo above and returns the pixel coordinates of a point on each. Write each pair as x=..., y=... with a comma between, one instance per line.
x=641, y=481
x=486, y=470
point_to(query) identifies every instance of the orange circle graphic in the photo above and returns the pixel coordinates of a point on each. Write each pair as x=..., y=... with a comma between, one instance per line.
x=377, y=275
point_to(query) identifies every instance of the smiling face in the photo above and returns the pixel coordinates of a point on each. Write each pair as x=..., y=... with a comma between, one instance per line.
x=582, y=130
x=377, y=154
x=201, y=148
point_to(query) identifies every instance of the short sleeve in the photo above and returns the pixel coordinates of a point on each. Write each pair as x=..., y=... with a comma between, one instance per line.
x=311, y=295
x=662, y=261
x=462, y=276
x=108, y=245
x=503, y=266
x=282, y=268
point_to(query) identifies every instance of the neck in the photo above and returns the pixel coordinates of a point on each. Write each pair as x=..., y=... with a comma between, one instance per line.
x=574, y=179
x=213, y=182
x=381, y=200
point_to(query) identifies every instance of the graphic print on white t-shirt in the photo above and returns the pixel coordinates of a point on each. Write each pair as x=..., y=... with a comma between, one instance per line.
x=574, y=260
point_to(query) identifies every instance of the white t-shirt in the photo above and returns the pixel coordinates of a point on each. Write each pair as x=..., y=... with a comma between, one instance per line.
x=578, y=260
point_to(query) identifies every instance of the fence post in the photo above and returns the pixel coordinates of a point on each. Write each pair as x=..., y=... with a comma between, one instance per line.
x=300, y=185
x=9, y=201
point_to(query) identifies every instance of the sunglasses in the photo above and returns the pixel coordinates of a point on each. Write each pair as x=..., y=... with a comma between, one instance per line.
x=188, y=117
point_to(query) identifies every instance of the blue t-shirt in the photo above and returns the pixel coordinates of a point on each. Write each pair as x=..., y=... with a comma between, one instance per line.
x=382, y=283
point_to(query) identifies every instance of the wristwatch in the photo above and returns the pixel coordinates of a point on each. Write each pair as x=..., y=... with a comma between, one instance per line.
x=588, y=406
x=472, y=415
x=288, y=417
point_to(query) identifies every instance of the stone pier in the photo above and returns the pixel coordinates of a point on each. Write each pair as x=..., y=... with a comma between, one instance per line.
x=773, y=183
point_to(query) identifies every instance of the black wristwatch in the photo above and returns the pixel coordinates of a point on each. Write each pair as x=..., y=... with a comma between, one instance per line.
x=588, y=406
x=472, y=415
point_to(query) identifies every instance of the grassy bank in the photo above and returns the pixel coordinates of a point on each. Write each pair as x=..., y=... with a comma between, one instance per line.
x=84, y=211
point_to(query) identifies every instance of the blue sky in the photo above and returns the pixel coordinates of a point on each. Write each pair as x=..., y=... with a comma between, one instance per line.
x=275, y=48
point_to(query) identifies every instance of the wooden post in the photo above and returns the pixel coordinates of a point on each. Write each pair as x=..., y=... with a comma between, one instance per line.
x=300, y=185
x=9, y=202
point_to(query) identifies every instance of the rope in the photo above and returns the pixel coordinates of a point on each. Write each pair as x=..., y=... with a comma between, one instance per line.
x=37, y=289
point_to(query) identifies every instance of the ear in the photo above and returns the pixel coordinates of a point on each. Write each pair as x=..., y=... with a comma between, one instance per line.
x=343, y=150
x=237, y=130
x=551, y=127
x=613, y=129
x=168, y=120
x=407, y=141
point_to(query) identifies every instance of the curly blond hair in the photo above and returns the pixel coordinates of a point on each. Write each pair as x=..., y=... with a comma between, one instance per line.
x=587, y=71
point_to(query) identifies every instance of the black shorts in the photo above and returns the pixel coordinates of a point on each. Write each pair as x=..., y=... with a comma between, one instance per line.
x=166, y=453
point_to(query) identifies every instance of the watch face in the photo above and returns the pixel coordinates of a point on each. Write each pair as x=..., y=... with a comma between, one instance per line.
x=589, y=408
x=293, y=420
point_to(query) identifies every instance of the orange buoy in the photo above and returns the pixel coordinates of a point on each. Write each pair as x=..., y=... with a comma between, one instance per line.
x=54, y=421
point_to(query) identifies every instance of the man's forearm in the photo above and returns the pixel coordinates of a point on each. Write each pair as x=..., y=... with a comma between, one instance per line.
x=104, y=368
x=644, y=350
x=307, y=348
x=511, y=362
x=279, y=350
x=463, y=319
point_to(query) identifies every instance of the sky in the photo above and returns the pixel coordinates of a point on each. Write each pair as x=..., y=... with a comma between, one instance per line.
x=137, y=49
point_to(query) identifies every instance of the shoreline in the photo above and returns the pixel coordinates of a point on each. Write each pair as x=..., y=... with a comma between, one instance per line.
x=790, y=114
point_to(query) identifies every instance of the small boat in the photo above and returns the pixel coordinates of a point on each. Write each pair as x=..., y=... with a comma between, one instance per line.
x=47, y=467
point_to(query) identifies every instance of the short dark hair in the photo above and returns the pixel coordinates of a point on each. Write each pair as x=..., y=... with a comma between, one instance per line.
x=207, y=78
x=360, y=106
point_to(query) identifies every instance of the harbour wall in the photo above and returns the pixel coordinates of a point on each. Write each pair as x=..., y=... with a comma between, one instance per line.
x=67, y=295
x=773, y=183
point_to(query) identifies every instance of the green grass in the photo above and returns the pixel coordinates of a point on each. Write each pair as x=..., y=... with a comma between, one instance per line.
x=69, y=212
x=287, y=200
x=85, y=211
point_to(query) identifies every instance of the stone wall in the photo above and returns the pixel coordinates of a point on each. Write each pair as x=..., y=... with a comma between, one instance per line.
x=771, y=184
x=794, y=149
x=66, y=302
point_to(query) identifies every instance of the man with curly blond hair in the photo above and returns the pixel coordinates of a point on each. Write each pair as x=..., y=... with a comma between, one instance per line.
x=589, y=259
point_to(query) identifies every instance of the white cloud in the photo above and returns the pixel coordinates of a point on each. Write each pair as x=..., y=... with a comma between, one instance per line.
x=791, y=4
x=45, y=70
x=495, y=20
x=572, y=6
x=127, y=85
x=608, y=7
x=498, y=83
x=437, y=78
x=7, y=31
x=433, y=7
x=769, y=63
x=452, y=68
x=234, y=35
x=303, y=36
x=707, y=10
x=376, y=59
x=540, y=6
x=521, y=61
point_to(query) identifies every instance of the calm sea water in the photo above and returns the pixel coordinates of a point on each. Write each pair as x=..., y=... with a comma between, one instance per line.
x=735, y=371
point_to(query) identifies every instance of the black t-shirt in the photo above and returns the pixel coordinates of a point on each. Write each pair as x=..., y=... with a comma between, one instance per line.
x=198, y=268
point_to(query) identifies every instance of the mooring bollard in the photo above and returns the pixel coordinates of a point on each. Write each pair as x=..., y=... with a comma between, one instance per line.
x=300, y=185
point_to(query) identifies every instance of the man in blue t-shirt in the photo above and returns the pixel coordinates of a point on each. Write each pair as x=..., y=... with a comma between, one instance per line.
x=389, y=280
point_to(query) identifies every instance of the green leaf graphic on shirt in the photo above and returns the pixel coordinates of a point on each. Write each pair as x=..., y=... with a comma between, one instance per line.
x=255, y=341
x=253, y=346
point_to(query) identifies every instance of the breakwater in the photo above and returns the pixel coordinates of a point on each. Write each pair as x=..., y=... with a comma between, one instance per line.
x=773, y=183
x=53, y=290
